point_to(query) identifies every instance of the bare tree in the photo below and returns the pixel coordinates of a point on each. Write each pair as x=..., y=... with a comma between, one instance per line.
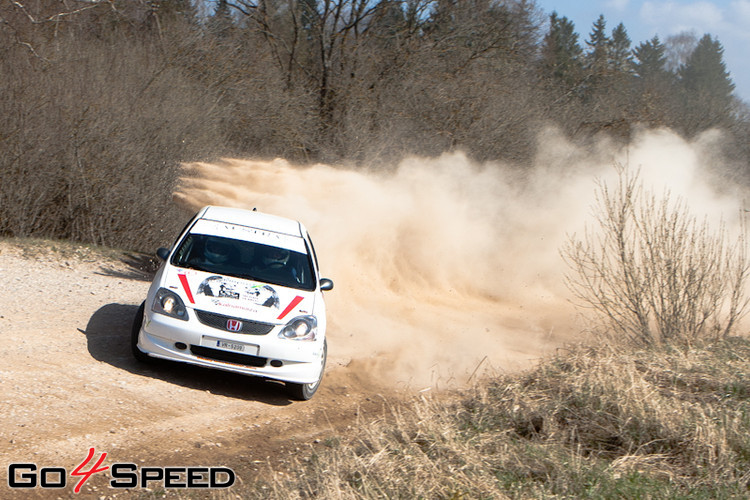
x=678, y=49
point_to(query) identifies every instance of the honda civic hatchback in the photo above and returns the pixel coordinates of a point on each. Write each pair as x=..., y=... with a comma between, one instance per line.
x=239, y=291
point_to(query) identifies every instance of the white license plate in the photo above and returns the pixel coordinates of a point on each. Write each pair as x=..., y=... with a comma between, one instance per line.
x=229, y=345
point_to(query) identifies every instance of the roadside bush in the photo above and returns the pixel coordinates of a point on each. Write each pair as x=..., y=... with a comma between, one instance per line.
x=652, y=273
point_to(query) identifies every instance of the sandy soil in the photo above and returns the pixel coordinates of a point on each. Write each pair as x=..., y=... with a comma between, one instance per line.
x=69, y=383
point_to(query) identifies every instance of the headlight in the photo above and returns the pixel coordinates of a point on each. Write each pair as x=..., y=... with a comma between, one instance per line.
x=300, y=328
x=170, y=304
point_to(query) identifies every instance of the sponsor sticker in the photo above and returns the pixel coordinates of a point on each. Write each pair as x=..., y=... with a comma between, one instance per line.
x=229, y=289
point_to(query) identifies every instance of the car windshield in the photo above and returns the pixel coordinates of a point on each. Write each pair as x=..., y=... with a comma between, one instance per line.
x=245, y=259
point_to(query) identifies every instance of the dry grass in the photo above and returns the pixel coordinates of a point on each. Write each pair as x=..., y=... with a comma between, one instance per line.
x=586, y=423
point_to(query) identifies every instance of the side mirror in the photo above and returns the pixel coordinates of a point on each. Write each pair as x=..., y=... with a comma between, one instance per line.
x=326, y=284
x=162, y=253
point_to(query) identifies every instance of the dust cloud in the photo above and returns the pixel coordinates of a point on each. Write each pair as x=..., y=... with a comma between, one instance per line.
x=445, y=269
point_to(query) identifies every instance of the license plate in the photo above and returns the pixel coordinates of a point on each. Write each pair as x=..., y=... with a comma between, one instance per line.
x=228, y=345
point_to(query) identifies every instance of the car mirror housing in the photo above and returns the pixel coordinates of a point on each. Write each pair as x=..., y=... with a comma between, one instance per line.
x=162, y=253
x=326, y=284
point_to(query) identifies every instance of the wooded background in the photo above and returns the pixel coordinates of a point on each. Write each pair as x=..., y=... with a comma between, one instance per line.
x=100, y=100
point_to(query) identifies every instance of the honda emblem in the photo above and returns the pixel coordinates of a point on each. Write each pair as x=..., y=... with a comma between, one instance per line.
x=234, y=325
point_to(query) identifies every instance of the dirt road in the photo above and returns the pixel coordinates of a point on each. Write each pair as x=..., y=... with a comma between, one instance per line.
x=69, y=384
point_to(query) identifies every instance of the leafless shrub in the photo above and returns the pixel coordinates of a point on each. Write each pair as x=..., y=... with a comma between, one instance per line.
x=653, y=273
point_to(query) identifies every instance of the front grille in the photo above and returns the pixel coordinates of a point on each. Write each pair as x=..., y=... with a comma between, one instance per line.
x=230, y=357
x=219, y=322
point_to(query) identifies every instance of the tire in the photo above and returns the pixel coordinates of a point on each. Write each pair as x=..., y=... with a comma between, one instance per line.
x=303, y=392
x=134, y=332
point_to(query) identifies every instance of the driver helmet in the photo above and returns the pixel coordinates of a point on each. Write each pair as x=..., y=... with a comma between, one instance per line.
x=217, y=251
x=276, y=257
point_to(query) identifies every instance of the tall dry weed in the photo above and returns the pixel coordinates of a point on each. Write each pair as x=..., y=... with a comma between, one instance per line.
x=413, y=452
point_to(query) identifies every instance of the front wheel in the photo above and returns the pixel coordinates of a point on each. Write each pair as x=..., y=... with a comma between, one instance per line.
x=134, y=332
x=303, y=392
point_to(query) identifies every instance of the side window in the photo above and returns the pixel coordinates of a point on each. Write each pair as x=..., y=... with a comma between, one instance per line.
x=181, y=255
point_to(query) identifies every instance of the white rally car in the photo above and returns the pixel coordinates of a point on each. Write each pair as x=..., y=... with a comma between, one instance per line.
x=239, y=291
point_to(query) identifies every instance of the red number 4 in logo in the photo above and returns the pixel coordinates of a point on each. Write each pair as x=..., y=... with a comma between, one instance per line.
x=85, y=475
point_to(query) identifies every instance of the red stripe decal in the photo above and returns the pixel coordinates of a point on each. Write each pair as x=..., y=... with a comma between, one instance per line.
x=186, y=286
x=291, y=306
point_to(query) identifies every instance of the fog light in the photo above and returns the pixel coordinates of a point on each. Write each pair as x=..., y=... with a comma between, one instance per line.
x=180, y=345
x=276, y=363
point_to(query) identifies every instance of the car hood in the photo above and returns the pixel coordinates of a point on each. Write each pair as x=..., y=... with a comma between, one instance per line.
x=238, y=298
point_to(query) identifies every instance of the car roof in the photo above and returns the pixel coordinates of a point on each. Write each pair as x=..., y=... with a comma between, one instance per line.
x=252, y=218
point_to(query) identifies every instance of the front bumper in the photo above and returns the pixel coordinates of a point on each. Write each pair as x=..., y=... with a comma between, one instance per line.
x=195, y=343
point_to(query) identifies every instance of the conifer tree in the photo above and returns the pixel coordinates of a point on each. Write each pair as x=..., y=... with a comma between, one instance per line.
x=620, y=55
x=707, y=86
x=561, y=52
x=705, y=71
x=650, y=59
x=655, y=92
x=597, y=59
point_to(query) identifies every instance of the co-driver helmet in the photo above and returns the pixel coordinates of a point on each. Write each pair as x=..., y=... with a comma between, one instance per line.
x=276, y=257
